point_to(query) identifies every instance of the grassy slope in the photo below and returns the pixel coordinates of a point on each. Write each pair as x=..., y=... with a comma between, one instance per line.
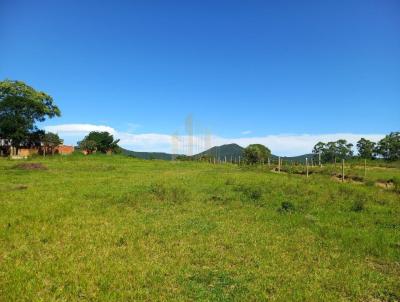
x=116, y=228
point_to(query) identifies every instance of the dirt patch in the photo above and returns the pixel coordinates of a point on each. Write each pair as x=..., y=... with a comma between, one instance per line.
x=20, y=187
x=351, y=179
x=30, y=166
x=385, y=184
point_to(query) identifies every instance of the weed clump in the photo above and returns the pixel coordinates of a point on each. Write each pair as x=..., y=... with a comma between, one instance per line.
x=175, y=194
x=358, y=205
x=251, y=192
x=159, y=191
x=121, y=242
x=178, y=194
x=229, y=182
x=287, y=206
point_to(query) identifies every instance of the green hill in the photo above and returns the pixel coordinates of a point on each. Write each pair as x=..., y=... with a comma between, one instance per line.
x=234, y=151
x=230, y=151
x=149, y=155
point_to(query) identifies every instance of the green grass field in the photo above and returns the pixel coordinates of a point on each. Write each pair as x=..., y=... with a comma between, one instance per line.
x=113, y=228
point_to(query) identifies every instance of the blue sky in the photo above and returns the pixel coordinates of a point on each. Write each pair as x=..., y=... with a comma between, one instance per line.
x=285, y=73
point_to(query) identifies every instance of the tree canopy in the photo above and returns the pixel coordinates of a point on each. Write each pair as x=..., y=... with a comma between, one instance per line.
x=99, y=141
x=256, y=153
x=389, y=146
x=365, y=148
x=333, y=151
x=21, y=106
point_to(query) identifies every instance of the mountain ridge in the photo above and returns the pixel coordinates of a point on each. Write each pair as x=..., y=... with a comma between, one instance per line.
x=229, y=150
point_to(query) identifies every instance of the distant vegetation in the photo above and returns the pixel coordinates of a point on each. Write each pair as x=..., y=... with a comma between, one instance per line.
x=99, y=141
x=21, y=107
x=387, y=148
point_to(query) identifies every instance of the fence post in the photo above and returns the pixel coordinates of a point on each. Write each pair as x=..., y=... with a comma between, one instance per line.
x=307, y=167
x=365, y=168
x=279, y=164
x=342, y=170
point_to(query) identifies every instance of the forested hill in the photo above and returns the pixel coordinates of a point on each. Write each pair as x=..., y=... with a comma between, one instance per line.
x=149, y=155
x=230, y=151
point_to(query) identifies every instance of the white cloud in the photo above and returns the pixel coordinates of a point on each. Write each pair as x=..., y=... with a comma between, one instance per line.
x=281, y=144
x=78, y=129
x=246, y=132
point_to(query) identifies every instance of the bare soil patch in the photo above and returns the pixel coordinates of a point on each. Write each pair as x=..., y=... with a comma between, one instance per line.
x=30, y=166
x=385, y=184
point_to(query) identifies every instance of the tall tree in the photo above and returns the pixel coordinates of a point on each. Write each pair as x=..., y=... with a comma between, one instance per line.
x=332, y=151
x=21, y=106
x=389, y=146
x=343, y=149
x=103, y=141
x=256, y=153
x=319, y=148
x=365, y=148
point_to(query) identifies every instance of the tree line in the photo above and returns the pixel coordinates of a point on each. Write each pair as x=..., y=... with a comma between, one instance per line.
x=387, y=148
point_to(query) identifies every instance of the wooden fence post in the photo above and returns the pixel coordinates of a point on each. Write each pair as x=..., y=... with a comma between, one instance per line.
x=307, y=167
x=279, y=164
x=365, y=168
x=342, y=170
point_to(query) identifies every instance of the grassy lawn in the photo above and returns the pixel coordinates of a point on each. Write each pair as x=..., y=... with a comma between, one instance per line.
x=121, y=229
